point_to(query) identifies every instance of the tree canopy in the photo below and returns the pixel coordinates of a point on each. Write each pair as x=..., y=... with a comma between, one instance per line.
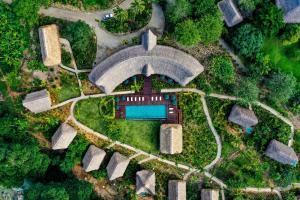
x=187, y=33
x=247, y=40
x=178, y=11
x=222, y=69
x=210, y=27
x=247, y=90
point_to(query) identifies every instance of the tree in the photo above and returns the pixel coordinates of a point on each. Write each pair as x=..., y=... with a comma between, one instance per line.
x=281, y=87
x=291, y=34
x=247, y=90
x=210, y=28
x=202, y=8
x=247, y=40
x=20, y=161
x=138, y=7
x=52, y=191
x=187, y=33
x=248, y=6
x=222, y=70
x=77, y=189
x=269, y=18
x=178, y=11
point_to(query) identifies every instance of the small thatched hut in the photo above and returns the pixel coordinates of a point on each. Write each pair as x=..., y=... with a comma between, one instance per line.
x=282, y=153
x=145, y=182
x=50, y=45
x=243, y=117
x=63, y=136
x=209, y=194
x=291, y=9
x=176, y=190
x=170, y=138
x=37, y=102
x=231, y=14
x=117, y=166
x=93, y=158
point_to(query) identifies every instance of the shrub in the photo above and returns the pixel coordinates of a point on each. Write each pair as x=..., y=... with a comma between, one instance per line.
x=222, y=69
x=66, y=57
x=281, y=87
x=36, y=65
x=201, y=8
x=269, y=18
x=247, y=40
x=247, y=90
x=248, y=6
x=178, y=11
x=187, y=33
x=210, y=28
x=291, y=34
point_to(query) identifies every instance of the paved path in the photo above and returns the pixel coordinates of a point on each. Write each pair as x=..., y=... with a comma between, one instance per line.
x=104, y=38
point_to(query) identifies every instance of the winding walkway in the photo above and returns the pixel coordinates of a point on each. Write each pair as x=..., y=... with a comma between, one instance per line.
x=104, y=38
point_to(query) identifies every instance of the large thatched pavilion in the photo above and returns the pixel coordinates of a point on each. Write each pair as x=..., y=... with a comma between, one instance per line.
x=148, y=58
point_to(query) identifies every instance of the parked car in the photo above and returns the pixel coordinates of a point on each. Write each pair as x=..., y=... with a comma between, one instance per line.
x=107, y=16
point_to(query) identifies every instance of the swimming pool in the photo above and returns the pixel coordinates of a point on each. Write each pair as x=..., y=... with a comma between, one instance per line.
x=146, y=112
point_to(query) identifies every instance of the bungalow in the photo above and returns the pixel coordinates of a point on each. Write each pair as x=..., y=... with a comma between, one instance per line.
x=37, y=101
x=291, y=9
x=50, y=45
x=232, y=16
x=209, y=194
x=117, y=166
x=244, y=117
x=63, y=137
x=170, y=138
x=145, y=182
x=281, y=153
x=93, y=158
x=176, y=190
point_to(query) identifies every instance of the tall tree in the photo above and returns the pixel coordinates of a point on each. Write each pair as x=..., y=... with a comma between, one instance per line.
x=187, y=33
x=247, y=90
x=177, y=12
x=210, y=27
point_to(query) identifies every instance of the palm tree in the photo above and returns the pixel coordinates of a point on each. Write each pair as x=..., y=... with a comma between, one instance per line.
x=138, y=7
x=121, y=15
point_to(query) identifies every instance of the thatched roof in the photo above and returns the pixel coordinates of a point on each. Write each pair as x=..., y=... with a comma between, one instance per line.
x=177, y=190
x=145, y=182
x=209, y=194
x=117, y=166
x=281, y=153
x=242, y=116
x=231, y=14
x=131, y=61
x=63, y=136
x=93, y=158
x=170, y=138
x=291, y=9
x=148, y=70
x=37, y=101
x=50, y=46
x=149, y=40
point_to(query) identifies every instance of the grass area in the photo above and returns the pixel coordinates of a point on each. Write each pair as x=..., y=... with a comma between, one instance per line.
x=286, y=58
x=243, y=161
x=68, y=87
x=140, y=134
x=199, y=145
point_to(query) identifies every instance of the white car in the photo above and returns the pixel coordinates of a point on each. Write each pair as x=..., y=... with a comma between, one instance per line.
x=107, y=16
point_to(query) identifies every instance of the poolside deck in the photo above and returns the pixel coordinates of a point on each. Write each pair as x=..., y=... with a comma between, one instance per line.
x=149, y=97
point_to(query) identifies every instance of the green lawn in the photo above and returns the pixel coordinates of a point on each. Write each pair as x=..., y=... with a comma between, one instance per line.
x=286, y=58
x=68, y=87
x=140, y=134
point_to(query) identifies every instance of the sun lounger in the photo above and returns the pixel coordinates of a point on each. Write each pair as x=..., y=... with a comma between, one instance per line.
x=127, y=98
x=152, y=98
x=160, y=98
x=143, y=98
x=135, y=98
x=171, y=112
x=139, y=99
x=131, y=98
x=156, y=98
x=171, y=108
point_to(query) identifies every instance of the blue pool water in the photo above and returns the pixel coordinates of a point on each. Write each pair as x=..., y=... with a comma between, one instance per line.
x=146, y=112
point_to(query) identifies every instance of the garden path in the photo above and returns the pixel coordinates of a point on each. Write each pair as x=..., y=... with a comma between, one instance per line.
x=104, y=38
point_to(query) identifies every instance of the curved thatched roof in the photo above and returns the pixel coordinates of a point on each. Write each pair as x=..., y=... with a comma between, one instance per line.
x=131, y=61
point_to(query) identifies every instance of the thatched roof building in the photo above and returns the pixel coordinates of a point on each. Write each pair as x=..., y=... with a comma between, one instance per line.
x=50, y=46
x=63, y=137
x=231, y=14
x=170, y=138
x=243, y=117
x=93, y=158
x=291, y=9
x=145, y=182
x=131, y=61
x=209, y=194
x=177, y=190
x=117, y=166
x=37, y=102
x=282, y=153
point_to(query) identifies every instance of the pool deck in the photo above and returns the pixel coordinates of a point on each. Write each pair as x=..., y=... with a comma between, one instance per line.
x=150, y=97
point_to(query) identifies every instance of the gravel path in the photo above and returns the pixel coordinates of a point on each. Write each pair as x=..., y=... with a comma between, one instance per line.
x=104, y=38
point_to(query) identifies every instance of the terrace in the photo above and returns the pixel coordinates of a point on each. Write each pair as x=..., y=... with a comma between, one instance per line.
x=149, y=104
